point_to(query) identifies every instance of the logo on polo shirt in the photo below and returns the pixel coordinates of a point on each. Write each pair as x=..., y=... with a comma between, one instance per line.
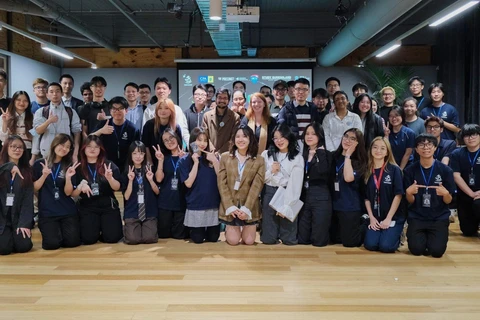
x=61, y=174
x=125, y=136
x=444, y=114
x=387, y=180
x=478, y=160
x=438, y=179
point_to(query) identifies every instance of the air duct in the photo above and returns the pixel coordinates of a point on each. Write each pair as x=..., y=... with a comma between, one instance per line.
x=372, y=18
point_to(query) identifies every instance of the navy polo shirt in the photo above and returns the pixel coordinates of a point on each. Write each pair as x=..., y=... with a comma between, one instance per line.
x=349, y=198
x=47, y=205
x=448, y=113
x=149, y=139
x=391, y=185
x=119, y=141
x=461, y=161
x=131, y=205
x=400, y=141
x=444, y=149
x=438, y=209
x=173, y=200
x=204, y=193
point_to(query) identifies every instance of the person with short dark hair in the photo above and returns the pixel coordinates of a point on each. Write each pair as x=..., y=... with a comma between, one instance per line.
x=265, y=90
x=416, y=85
x=434, y=126
x=402, y=138
x=144, y=92
x=135, y=109
x=67, y=83
x=372, y=123
x=332, y=84
x=291, y=90
x=4, y=100
x=239, y=85
x=320, y=99
x=359, y=88
x=465, y=163
x=86, y=92
x=195, y=112
x=438, y=108
x=280, y=88
x=92, y=113
x=270, y=99
x=210, y=95
x=117, y=133
x=429, y=188
x=414, y=122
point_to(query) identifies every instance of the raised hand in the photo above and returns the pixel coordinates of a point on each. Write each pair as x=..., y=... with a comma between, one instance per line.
x=108, y=171
x=72, y=169
x=149, y=173
x=131, y=173
x=195, y=157
x=5, y=115
x=15, y=171
x=52, y=118
x=386, y=129
x=351, y=149
x=85, y=188
x=181, y=153
x=441, y=190
x=413, y=189
x=158, y=153
x=211, y=156
x=107, y=129
x=46, y=171
x=101, y=115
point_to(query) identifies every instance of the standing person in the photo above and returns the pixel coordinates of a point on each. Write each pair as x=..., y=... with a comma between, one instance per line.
x=332, y=84
x=118, y=133
x=54, y=119
x=269, y=99
x=372, y=124
x=320, y=99
x=240, y=181
x=402, y=139
x=416, y=85
x=283, y=169
x=153, y=130
x=171, y=202
x=383, y=198
x=16, y=198
x=259, y=120
x=238, y=104
x=96, y=180
x=265, y=90
x=280, y=88
x=465, y=163
x=144, y=91
x=67, y=83
x=414, y=122
x=98, y=109
x=438, y=108
x=348, y=203
x=291, y=90
x=429, y=189
x=221, y=122
x=195, y=112
x=86, y=92
x=316, y=215
x=335, y=123
x=388, y=96
x=135, y=109
x=57, y=212
x=4, y=100
x=359, y=88
x=239, y=85
x=198, y=172
x=140, y=193
x=434, y=126
x=374, y=105
x=210, y=94
x=40, y=90
x=18, y=119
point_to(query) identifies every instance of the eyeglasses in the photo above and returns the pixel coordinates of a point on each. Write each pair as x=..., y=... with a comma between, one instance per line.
x=40, y=88
x=15, y=148
x=471, y=136
x=416, y=85
x=432, y=127
x=427, y=145
x=200, y=95
x=117, y=109
x=282, y=89
x=169, y=140
x=333, y=86
x=301, y=89
x=278, y=139
x=351, y=138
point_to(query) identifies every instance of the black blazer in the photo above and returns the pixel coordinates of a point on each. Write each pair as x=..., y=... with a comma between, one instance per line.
x=75, y=103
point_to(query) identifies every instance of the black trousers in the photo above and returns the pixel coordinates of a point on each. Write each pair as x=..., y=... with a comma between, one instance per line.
x=63, y=231
x=102, y=224
x=468, y=215
x=427, y=237
x=170, y=224
x=347, y=228
x=315, y=217
x=11, y=242
x=205, y=234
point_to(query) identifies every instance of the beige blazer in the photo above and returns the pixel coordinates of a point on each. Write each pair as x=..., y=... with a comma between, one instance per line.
x=251, y=185
x=220, y=136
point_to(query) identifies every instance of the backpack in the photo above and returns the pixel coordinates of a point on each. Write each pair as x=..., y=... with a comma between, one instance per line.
x=46, y=113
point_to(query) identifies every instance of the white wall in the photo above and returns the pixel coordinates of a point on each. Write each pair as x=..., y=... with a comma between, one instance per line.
x=117, y=78
x=22, y=71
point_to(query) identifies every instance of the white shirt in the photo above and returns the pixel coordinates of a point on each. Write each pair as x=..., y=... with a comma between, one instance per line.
x=335, y=127
x=135, y=116
x=20, y=130
x=289, y=177
x=180, y=119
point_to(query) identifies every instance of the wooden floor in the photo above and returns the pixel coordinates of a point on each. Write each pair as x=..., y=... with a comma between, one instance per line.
x=180, y=280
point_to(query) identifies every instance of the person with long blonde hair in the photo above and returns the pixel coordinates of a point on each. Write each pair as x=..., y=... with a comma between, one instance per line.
x=383, y=198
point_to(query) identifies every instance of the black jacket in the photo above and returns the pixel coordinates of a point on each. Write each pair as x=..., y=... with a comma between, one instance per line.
x=194, y=119
x=288, y=115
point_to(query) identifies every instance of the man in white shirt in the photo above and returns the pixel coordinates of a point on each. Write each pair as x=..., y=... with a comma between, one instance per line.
x=135, y=110
x=67, y=83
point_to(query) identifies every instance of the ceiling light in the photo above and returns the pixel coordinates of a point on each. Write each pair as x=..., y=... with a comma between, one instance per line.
x=389, y=49
x=57, y=52
x=453, y=13
x=216, y=10
x=94, y=66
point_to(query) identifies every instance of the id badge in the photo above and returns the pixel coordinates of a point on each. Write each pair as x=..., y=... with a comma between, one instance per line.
x=140, y=197
x=375, y=205
x=237, y=185
x=336, y=185
x=174, y=184
x=56, y=193
x=471, y=179
x=95, y=189
x=426, y=200
x=10, y=198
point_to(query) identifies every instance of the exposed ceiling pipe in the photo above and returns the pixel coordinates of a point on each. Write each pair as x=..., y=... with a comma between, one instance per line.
x=64, y=17
x=24, y=8
x=114, y=3
x=372, y=18
x=33, y=29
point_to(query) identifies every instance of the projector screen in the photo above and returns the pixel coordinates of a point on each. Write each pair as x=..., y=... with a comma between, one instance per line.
x=254, y=79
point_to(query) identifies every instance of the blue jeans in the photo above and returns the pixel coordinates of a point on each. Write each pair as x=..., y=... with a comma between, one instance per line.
x=386, y=241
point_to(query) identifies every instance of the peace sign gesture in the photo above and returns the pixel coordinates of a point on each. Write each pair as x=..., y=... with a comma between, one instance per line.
x=5, y=115
x=15, y=171
x=46, y=170
x=131, y=173
x=158, y=153
x=71, y=170
x=108, y=171
x=149, y=173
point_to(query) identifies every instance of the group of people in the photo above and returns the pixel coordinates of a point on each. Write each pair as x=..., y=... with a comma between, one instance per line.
x=302, y=172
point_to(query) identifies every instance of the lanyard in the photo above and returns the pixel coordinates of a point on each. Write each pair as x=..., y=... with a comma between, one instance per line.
x=338, y=168
x=54, y=177
x=439, y=113
x=241, y=167
x=420, y=103
x=379, y=180
x=139, y=178
x=94, y=173
x=306, y=166
x=472, y=161
x=11, y=184
x=427, y=182
x=118, y=137
x=175, y=166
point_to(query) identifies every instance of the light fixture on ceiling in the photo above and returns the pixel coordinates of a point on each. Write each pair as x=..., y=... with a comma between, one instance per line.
x=452, y=14
x=56, y=51
x=216, y=10
x=94, y=66
x=388, y=49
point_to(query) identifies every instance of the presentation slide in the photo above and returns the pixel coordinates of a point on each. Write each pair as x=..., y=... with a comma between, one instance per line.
x=221, y=78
